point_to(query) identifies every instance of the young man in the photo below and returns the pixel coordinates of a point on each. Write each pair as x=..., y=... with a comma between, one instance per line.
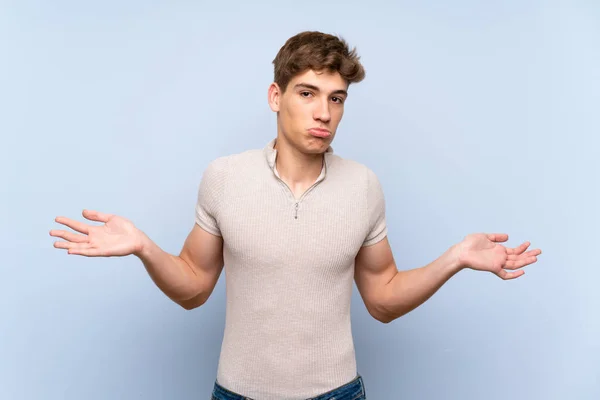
x=294, y=225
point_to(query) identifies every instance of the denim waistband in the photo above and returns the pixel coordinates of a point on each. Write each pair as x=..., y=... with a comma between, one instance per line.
x=350, y=391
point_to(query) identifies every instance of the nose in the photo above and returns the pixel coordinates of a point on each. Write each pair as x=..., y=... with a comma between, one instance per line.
x=321, y=112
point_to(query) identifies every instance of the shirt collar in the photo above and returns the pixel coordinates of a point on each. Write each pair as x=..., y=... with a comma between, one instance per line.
x=271, y=155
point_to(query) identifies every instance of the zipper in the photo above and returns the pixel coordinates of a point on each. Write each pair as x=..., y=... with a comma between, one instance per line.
x=298, y=201
x=306, y=192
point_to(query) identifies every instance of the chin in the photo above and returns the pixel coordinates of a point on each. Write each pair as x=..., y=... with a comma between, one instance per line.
x=316, y=145
x=308, y=144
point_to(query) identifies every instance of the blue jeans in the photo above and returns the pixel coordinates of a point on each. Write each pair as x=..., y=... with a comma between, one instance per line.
x=354, y=390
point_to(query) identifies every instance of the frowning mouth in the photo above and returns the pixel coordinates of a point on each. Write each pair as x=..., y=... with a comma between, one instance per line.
x=318, y=132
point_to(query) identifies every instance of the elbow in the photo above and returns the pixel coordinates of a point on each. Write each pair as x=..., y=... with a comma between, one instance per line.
x=387, y=316
x=381, y=314
x=383, y=318
x=385, y=313
x=192, y=303
x=188, y=306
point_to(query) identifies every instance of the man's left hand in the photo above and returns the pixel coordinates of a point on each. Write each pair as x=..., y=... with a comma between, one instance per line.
x=483, y=252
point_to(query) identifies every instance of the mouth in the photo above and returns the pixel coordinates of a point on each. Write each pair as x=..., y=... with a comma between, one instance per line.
x=321, y=133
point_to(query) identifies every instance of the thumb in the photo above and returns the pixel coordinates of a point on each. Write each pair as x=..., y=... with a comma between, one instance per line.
x=497, y=237
x=96, y=216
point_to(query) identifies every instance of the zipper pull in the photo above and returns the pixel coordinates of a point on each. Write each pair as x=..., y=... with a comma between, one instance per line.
x=296, y=216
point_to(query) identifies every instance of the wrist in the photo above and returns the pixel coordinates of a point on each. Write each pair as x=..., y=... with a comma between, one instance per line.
x=143, y=246
x=455, y=257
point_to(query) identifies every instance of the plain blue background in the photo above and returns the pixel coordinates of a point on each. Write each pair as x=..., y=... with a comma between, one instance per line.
x=476, y=116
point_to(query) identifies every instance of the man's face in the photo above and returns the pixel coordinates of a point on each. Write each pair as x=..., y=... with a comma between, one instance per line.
x=310, y=109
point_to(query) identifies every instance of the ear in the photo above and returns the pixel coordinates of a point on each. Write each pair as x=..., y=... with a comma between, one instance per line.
x=274, y=96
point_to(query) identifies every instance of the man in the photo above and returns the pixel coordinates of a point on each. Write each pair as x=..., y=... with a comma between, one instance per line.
x=293, y=224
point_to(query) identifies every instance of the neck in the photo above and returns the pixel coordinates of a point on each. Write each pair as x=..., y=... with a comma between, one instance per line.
x=296, y=168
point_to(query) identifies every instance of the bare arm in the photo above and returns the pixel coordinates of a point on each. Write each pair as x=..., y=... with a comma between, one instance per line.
x=394, y=293
x=389, y=293
x=187, y=279
x=190, y=278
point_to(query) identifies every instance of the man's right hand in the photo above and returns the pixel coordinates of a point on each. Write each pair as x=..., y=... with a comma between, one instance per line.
x=116, y=237
x=188, y=279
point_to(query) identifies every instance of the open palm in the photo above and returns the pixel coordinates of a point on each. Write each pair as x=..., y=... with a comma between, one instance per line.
x=483, y=252
x=116, y=237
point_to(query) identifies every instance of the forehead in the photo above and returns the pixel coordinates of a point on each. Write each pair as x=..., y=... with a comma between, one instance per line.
x=324, y=80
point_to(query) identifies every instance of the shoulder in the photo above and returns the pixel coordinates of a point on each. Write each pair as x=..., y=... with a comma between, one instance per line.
x=353, y=169
x=224, y=165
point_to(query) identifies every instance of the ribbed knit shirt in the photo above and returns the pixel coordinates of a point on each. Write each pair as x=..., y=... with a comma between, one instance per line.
x=289, y=268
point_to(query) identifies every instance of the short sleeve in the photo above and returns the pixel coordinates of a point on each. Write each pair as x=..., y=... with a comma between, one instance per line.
x=376, y=210
x=210, y=197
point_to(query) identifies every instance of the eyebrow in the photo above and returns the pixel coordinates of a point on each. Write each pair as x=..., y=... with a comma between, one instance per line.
x=316, y=88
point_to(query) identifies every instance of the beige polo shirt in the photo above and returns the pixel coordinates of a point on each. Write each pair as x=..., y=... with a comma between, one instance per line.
x=289, y=268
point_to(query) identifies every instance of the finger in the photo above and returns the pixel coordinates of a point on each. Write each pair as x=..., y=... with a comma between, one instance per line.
x=520, y=263
x=75, y=225
x=530, y=253
x=498, y=237
x=71, y=237
x=509, y=275
x=71, y=245
x=96, y=216
x=518, y=250
x=89, y=252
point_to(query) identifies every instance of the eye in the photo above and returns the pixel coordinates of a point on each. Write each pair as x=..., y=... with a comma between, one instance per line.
x=337, y=100
x=305, y=94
